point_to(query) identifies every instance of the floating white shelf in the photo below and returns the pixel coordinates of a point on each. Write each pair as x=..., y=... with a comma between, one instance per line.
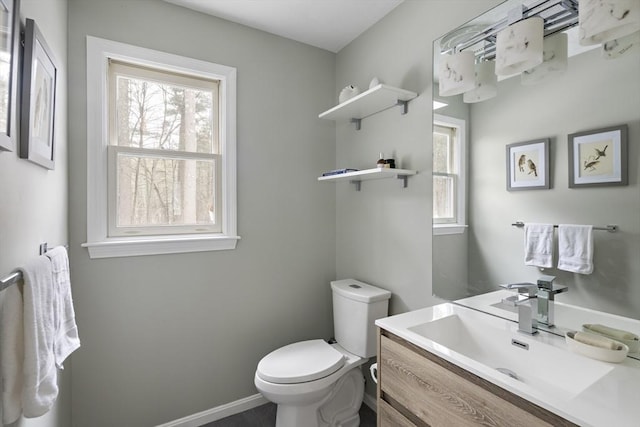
x=368, y=174
x=374, y=100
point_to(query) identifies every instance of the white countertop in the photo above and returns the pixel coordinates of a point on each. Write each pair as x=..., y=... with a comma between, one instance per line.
x=612, y=400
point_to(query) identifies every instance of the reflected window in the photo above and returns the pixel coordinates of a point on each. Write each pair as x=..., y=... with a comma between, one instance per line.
x=448, y=172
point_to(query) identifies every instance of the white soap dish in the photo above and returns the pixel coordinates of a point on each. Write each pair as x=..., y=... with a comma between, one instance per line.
x=631, y=340
x=606, y=355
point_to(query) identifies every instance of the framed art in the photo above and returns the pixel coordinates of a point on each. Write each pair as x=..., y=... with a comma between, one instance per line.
x=598, y=157
x=528, y=165
x=9, y=70
x=38, y=99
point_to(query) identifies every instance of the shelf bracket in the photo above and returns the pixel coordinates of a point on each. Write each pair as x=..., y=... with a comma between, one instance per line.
x=404, y=180
x=404, y=106
x=404, y=109
x=357, y=183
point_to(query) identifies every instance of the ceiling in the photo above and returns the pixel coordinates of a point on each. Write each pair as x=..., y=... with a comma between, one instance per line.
x=327, y=24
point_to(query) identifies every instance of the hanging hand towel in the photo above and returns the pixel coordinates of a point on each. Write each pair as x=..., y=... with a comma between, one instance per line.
x=575, y=248
x=538, y=245
x=66, y=339
x=11, y=353
x=40, y=387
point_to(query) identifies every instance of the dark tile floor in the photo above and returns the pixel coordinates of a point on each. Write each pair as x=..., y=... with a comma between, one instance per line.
x=265, y=416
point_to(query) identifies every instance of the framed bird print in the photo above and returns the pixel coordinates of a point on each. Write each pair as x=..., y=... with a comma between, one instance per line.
x=528, y=165
x=598, y=157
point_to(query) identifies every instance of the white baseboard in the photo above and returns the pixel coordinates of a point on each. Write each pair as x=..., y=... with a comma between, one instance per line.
x=232, y=408
x=371, y=402
x=217, y=413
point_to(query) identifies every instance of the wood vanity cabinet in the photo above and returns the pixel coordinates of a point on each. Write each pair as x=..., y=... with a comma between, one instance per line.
x=418, y=388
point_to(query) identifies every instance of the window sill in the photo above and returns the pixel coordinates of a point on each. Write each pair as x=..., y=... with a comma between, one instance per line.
x=125, y=247
x=446, y=229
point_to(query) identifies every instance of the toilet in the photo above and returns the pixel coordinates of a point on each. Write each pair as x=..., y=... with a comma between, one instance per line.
x=317, y=384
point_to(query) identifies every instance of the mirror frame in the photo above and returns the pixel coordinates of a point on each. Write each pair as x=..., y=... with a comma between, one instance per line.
x=9, y=136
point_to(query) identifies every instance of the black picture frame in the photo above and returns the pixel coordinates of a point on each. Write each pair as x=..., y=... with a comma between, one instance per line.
x=528, y=165
x=9, y=77
x=37, y=118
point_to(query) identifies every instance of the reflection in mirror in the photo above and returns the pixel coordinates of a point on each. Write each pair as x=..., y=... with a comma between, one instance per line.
x=592, y=89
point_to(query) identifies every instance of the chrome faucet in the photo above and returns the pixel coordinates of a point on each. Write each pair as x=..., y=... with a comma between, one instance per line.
x=536, y=303
x=527, y=302
x=546, y=297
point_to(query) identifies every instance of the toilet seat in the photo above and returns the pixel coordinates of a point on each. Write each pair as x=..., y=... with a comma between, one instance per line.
x=300, y=362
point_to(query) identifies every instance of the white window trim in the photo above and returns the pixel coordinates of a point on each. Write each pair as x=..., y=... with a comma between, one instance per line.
x=99, y=244
x=461, y=210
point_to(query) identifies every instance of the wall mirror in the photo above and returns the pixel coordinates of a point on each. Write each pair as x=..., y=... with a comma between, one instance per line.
x=476, y=247
x=9, y=60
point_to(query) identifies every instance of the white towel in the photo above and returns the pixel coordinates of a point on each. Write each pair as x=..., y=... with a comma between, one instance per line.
x=11, y=353
x=66, y=339
x=40, y=387
x=575, y=248
x=538, y=245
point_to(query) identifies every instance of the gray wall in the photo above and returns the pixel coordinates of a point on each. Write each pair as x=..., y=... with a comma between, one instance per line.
x=33, y=209
x=594, y=93
x=168, y=336
x=384, y=231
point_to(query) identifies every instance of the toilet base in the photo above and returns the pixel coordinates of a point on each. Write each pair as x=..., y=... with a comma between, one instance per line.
x=340, y=407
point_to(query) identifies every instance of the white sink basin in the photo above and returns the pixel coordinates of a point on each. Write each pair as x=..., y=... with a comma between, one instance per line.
x=587, y=392
x=493, y=343
x=567, y=317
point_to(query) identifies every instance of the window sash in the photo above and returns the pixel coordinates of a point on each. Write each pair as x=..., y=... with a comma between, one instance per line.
x=450, y=164
x=445, y=211
x=115, y=230
x=121, y=69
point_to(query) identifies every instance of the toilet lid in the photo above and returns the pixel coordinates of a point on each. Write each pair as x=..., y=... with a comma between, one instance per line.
x=300, y=362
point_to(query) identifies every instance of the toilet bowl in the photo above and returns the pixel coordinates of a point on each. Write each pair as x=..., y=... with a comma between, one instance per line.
x=326, y=391
x=317, y=384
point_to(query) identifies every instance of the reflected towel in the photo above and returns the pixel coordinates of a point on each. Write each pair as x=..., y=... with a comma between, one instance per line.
x=575, y=248
x=11, y=353
x=40, y=387
x=66, y=339
x=538, y=245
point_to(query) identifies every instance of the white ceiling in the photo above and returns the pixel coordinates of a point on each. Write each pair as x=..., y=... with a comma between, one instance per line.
x=327, y=24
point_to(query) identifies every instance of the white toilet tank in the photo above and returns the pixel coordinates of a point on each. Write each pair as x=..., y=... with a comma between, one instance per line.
x=356, y=307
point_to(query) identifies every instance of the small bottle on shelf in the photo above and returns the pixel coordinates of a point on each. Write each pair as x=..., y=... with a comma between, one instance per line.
x=381, y=162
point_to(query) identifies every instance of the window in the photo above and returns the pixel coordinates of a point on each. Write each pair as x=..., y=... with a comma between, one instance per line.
x=161, y=152
x=448, y=175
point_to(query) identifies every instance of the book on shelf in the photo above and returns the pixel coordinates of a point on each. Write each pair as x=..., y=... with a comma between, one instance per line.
x=338, y=171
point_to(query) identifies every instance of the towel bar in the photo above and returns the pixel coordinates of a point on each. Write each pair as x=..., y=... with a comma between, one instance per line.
x=609, y=227
x=16, y=276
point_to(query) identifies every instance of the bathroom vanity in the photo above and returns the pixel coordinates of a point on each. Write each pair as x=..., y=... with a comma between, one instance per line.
x=451, y=365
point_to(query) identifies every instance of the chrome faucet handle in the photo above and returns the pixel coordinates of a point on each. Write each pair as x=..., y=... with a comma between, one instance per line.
x=548, y=289
x=523, y=288
x=546, y=282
